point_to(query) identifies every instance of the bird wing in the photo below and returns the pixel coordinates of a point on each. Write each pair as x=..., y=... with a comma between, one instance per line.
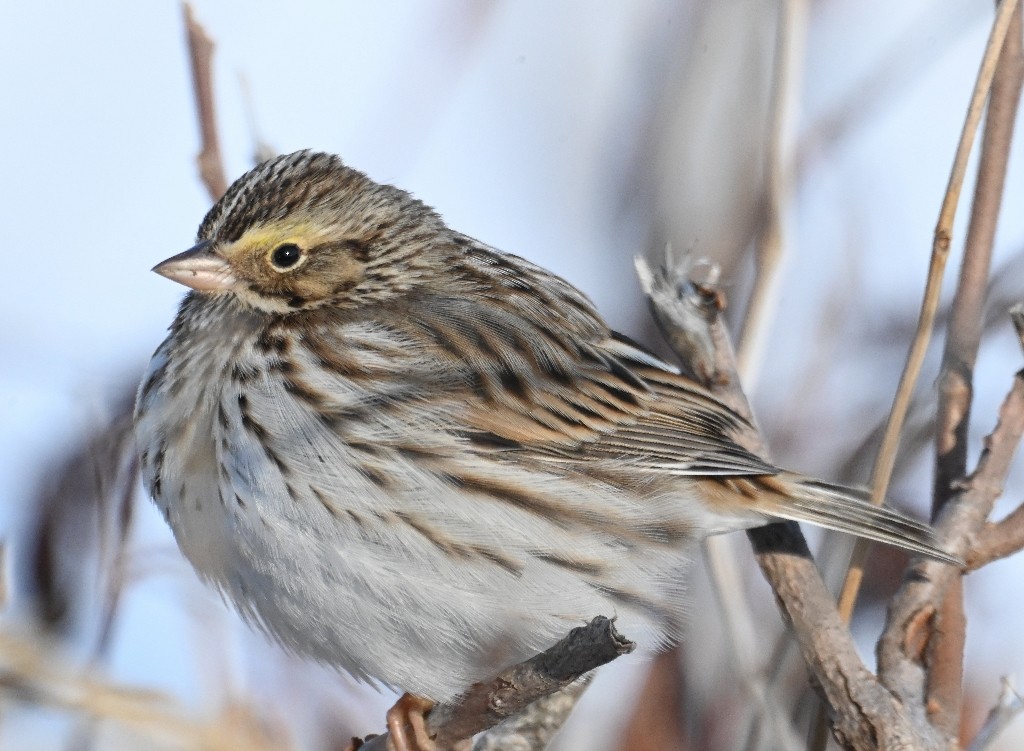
x=546, y=378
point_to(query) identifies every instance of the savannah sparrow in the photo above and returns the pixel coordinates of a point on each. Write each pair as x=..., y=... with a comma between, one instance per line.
x=412, y=456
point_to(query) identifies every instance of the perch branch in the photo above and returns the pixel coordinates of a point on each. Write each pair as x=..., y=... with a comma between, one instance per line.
x=558, y=668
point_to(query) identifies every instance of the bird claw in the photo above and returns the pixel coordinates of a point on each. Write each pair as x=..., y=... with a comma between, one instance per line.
x=410, y=711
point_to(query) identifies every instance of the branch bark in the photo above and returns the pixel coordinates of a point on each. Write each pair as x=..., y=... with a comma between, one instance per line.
x=864, y=714
x=912, y=641
x=552, y=673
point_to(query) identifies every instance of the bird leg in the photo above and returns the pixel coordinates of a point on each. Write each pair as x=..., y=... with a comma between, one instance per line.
x=411, y=711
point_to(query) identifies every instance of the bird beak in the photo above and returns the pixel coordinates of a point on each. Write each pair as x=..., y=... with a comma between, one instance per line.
x=199, y=268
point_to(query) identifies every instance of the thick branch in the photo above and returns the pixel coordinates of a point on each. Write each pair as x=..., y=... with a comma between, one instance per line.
x=864, y=714
x=945, y=684
x=965, y=324
x=905, y=655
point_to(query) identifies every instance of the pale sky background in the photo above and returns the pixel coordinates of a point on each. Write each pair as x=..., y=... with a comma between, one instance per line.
x=514, y=119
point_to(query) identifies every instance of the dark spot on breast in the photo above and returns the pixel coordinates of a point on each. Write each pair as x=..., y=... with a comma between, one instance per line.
x=513, y=567
x=243, y=373
x=319, y=495
x=269, y=341
x=296, y=301
x=281, y=465
x=239, y=501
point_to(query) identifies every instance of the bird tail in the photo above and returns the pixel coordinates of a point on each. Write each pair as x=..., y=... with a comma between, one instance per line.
x=804, y=499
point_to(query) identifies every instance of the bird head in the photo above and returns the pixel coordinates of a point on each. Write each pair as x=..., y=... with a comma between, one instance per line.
x=303, y=230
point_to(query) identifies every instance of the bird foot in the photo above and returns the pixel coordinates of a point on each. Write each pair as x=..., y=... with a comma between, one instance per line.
x=410, y=712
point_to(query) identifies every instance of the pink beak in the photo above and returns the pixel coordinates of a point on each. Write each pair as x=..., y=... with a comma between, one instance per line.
x=199, y=268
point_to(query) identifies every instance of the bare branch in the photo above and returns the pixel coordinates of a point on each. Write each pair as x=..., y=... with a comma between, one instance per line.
x=999, y=540
x=534, y=727
x=487, y=704
x=200, y=47
x=945, y=685
x=965, y=324
x=864, y=713
x=886, y=459
x=905, y=651
x=686, y=307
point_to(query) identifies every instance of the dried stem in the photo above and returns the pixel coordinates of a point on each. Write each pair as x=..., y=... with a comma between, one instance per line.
x=28, y=671
x=200, y=47
x=770, y=246
x=886, y=460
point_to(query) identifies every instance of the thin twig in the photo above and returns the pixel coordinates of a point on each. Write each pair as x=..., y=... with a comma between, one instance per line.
x=886, y=458
x=770, y=244
x=998, y=540
x=1009, y=706
x=963, y=336
x=200, y=47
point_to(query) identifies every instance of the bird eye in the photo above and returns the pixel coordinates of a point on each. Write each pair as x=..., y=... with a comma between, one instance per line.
x=285, y=256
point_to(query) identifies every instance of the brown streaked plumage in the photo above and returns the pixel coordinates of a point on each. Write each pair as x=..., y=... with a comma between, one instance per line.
x=414, y=457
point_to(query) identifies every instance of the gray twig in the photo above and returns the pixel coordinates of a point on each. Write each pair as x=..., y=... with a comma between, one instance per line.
x=1006, y=710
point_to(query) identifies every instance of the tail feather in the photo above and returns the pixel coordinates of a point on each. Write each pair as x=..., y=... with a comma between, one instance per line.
x=803, y=499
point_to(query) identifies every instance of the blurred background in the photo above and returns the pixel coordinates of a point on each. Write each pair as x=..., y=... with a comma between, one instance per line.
x=575, y=134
